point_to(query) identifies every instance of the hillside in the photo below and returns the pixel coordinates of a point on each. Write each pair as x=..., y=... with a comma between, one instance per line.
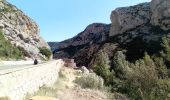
x=132, y=54
x=133, y=28
x=20, y=31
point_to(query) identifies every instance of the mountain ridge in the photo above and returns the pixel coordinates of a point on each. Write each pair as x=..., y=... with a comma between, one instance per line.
x=132, y=28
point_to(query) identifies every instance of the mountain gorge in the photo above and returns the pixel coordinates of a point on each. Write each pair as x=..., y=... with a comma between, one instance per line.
x=21, y=31
x=137, y=29
x=128, y=59
x=132, y=54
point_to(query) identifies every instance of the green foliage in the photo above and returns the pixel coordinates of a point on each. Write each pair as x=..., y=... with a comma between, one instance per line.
x=144, y=79
x=141, y=80
x=161, y=67
x=120, y=65
x=166, y=50
x=102, y=67
x=91, y=81
x=45, y=51
x=7, y=50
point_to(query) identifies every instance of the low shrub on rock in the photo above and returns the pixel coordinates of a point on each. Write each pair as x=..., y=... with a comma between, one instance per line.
x=45, y=51
x=7, y=50
x=91, y=81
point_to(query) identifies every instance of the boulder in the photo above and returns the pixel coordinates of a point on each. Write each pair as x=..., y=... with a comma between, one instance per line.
x=69, y=63
x=84, y=70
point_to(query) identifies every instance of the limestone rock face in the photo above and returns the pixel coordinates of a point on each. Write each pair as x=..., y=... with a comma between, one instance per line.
x=161, y=13
x=20, y=30
x=127, y=18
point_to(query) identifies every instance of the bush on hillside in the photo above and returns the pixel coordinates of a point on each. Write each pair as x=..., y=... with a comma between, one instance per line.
x=102, y=67
x=142, y=80
x=7, y=50
x=160, y=67
x=91, y=81
x=166, y=50
x=120, y=65
x=45, y=51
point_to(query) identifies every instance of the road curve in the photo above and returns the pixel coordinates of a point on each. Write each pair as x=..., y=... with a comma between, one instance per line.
x=7, y=68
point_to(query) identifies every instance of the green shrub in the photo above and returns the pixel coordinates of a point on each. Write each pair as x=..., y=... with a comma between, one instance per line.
x=7, y=50
x=45, y=51
x=166, y=50
x=102, y=67
x=142, y=79
x=120, y=65
x=162, y=90
x=161, y=67
x=91, y=81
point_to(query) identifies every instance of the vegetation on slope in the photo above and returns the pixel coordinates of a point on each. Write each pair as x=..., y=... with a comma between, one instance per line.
x=7, y=50
x=144, y=79
x=45, y=51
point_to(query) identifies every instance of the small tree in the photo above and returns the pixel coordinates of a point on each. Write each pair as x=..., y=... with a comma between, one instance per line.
x=161, y=67
x=166, y=50
x=45, y=51
x=143, y=79
x=102, y=67
x=120, y=65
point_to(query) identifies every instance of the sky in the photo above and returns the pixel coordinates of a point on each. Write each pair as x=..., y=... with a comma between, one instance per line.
x=62, y=19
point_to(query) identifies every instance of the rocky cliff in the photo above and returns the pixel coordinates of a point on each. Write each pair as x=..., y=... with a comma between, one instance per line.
x=96, y=32
x=84, y=45
x=20, y=30
x=135, y=29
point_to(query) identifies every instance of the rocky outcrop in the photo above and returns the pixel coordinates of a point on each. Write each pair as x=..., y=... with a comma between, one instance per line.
x=161, y=13
x=127, y=18
x=83, y=46
x=95, y=32
x=156, y=13
x=20, y=30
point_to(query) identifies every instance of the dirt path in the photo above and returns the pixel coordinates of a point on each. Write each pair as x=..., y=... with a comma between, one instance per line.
x=73, y=91
x=67, y=89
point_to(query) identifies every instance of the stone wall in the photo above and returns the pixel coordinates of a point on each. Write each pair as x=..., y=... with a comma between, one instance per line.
x=16, y=83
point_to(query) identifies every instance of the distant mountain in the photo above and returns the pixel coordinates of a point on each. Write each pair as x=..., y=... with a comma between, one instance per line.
x=53, y=45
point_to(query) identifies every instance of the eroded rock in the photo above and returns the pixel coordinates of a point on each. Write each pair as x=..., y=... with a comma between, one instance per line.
x=161, y=13
x=127, y=18
x=20, y=30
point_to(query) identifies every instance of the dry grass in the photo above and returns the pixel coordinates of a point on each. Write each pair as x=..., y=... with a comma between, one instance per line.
x=66, y=89
x=4, y=98
x=49, y=91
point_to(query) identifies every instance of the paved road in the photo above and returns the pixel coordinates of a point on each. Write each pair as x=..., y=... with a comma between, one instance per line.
x=15, y=64
x=7, y=68
x=4, y=67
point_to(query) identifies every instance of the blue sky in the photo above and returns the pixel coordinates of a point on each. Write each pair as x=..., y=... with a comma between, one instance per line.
x=62, y=19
